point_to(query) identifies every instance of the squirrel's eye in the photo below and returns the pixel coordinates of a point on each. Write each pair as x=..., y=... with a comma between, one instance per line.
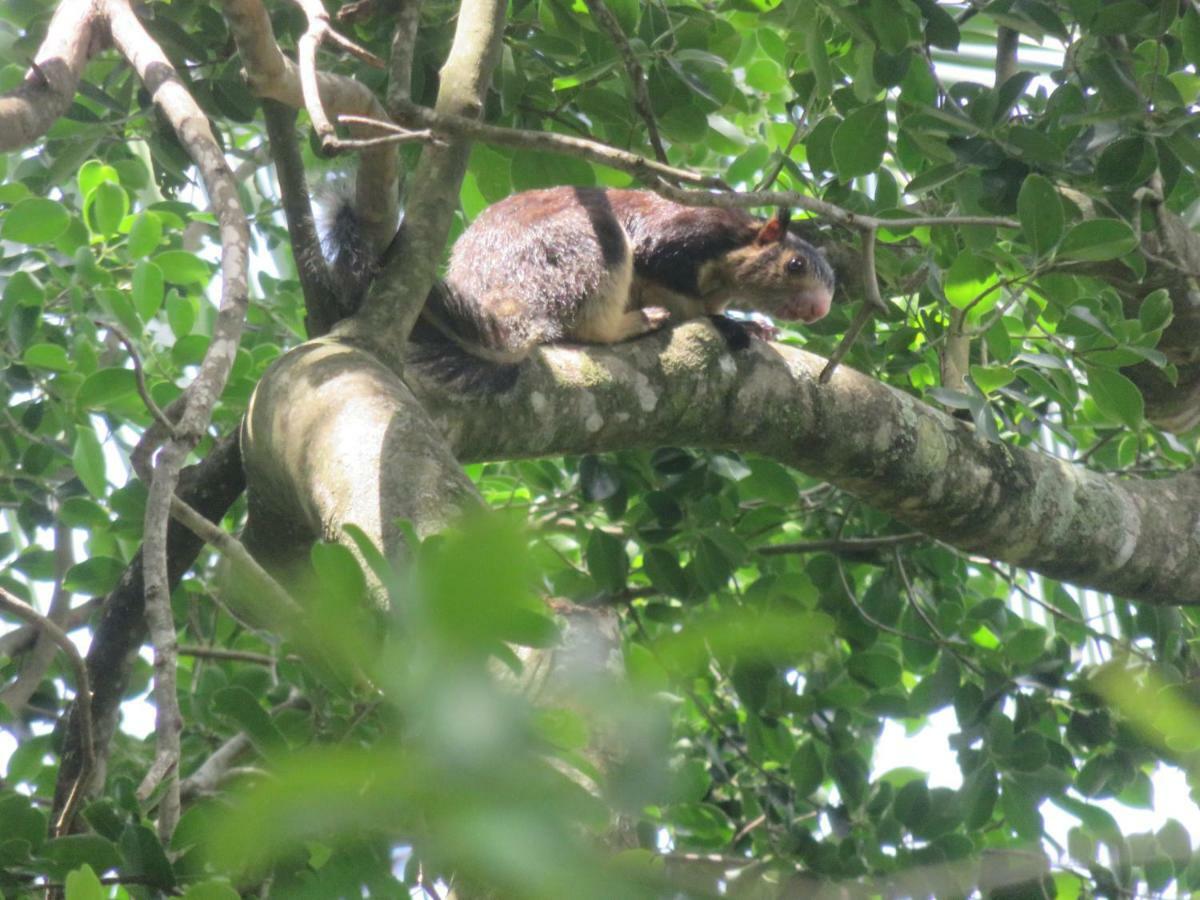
x=795, y=264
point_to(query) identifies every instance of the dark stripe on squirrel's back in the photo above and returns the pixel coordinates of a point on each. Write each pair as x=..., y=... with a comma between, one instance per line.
x=671, y=241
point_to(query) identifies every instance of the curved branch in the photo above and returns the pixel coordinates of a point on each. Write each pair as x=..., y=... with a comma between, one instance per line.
x=273, y=76
x=684, y=388
x=28, y=111
x=83, y=700
x=192, y=128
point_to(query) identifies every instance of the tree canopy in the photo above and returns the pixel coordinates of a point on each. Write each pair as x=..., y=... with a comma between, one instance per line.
x=636, y=624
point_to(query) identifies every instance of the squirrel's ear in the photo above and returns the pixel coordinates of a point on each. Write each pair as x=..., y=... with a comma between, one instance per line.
x=775, y=228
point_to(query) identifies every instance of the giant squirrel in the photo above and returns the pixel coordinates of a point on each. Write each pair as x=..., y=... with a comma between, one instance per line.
x=601, y=265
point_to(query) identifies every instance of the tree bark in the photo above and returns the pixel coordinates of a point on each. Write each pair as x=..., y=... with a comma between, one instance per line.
x=1133, y=537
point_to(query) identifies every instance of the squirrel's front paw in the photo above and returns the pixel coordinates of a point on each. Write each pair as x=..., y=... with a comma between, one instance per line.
x=763, y=329
x=655, y=317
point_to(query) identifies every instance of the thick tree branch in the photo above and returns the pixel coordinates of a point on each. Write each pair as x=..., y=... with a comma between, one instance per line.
x=1136, y=538
x=28, y=111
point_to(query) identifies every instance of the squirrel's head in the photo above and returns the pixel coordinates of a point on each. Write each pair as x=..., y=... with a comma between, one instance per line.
x=781, y=274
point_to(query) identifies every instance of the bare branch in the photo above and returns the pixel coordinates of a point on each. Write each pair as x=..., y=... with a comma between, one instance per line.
x=272, y=75
x=637, y=76
x=83, y=697
x=192, y=128
x=21, y=640
x=283, y=606
x=28, y=111
x=843, y=545
x=139, y=373
x=17, y=694
x=404, y=45
x=593, y=151
x=321, y=306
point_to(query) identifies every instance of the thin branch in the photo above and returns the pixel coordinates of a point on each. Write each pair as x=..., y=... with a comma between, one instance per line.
x=19, y=641
x=272, y=75
x=235, y=551
x=192, y=128
x=258, y=659
x=843, y=545
x=34, y=667
x=139, y=374
x=404, y=45
x=593, y=151
x=321, y=306
x=633, y=68
x=865, y=312
x=83, y=697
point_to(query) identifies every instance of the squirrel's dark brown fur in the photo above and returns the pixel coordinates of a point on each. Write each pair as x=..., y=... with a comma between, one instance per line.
x=602, y=265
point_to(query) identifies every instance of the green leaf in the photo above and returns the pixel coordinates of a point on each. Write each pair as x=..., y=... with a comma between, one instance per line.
x=144, y=857
x=211, y=890
x=82, y=884
x=662, y=568
x=144, y=235
x=806, y=770
x=969, y=278
x=1098, y=239
x=1156, y=310
x=877, y=669
x=76, y=850
x=1127, y=161
x=88, y=459
x=35, y=220
x=181, y=314
x=105, y=207
x=238, y=704
x=991, y=378
x=46, y=356
x=859, y=143
x=182, y=267
x=1041, y=213
x=606, y=560
x=93, y=173
x=95, y=576
x=147, y=285
x=103, y=387
x=1116, y=396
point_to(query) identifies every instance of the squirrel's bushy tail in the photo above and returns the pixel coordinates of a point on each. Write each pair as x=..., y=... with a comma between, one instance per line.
x=460, y=343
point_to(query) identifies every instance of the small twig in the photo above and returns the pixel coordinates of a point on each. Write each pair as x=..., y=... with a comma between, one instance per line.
x=844, y=545
x=20, y=640
x=882, y=626
x=946, y=643
x=320, y=30
x=139, y=373
x=864, y=315
x=406, y=21
x=259, y=659
x=237, y=553
x=83, y=698
x=633, y=68
x=397, y=134
x=639, y=166
x=798, y=132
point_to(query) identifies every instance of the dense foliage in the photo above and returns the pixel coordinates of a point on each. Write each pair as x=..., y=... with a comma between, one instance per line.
x=765, y=645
